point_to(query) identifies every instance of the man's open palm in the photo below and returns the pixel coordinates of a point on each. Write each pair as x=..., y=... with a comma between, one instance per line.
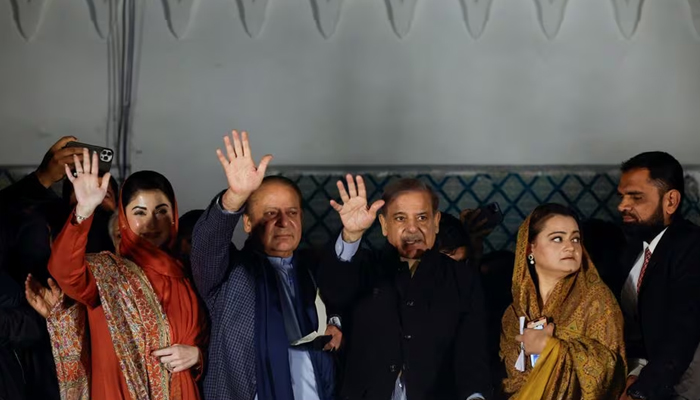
x=356, y=216
x=241, y=173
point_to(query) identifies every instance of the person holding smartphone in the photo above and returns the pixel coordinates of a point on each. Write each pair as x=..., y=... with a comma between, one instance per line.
x=32, y=212
x=31, y=205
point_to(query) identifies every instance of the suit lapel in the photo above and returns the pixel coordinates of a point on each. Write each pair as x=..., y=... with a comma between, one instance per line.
x=661, y=253
x=648, y=273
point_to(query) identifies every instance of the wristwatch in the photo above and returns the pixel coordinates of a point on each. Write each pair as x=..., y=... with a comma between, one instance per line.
x=335, y=321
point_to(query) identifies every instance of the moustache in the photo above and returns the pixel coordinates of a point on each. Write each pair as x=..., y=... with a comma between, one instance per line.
x=412, y=238
x=629, y=214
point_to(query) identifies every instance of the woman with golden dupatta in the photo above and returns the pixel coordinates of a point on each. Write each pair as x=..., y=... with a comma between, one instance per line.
x=581, y=349
x=143, y=317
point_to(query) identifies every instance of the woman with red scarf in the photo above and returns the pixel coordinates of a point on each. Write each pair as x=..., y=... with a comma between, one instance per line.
x=143, y=316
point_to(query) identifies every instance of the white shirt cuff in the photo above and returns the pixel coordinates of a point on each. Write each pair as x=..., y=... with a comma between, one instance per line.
x=476, y=396
x=635, y=366
x=225, y=211
x=344, y=250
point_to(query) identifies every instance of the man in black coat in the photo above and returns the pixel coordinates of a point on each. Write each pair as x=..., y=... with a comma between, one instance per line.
x=27, y=370
x=418, y=320
x=659, y=282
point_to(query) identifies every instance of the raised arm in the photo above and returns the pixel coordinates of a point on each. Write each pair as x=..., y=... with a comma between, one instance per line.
x=212, y=248
x=211, y=239
x=355, y=213
x=67, y=262
x=36, y=187
x=341, y=274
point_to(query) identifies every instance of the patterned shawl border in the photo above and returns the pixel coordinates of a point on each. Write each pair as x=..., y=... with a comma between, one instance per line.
x=70, y=346
x=134, y=317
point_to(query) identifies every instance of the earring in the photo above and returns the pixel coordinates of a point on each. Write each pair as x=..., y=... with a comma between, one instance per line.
x=531, y=259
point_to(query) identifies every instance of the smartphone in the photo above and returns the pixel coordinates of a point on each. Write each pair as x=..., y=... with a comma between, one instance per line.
x=492, y=214
x=539, y=325
x=104, y=154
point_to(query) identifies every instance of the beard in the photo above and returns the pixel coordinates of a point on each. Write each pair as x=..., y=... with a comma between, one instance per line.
x=645, y=230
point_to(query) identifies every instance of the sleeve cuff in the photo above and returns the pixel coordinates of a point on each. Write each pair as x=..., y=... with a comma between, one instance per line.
x=335, y=321
x=476, y=396
x=225, y=211
x=344, y=250
x=636, y=365
x=83, y=225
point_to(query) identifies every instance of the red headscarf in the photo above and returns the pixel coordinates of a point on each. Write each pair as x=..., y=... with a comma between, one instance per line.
x=142, y=252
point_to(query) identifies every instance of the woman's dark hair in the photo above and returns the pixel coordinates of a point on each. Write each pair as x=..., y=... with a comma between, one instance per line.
x=543, y=213
x=144, y=181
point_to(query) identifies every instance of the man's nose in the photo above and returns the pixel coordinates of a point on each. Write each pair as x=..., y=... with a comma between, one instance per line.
x=411, y=226
x=282, y=220
x=623, y=206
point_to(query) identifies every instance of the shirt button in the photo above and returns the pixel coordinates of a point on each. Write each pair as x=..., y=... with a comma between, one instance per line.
x=409, y=303
x=393, y=368
x=407, y=337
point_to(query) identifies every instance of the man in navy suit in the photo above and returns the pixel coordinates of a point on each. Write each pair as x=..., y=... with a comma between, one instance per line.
x=261, y=298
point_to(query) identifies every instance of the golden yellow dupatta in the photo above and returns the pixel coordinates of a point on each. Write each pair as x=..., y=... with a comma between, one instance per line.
x=586, y=357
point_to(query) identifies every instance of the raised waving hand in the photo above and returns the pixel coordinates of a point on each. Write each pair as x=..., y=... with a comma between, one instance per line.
x=355, y=213
x=243, y=176
x=89, y=192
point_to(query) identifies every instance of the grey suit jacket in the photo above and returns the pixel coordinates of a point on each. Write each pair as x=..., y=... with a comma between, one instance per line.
x=689, y=386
